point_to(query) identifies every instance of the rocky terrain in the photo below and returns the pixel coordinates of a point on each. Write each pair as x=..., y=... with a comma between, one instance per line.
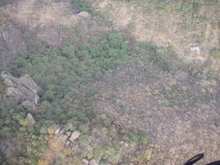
x=167, y=24
x=180, y=114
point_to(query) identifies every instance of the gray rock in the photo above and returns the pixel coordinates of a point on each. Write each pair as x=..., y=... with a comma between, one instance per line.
x=12, y=92
x=62, y=131
x=74, y=135
x=6, y=36
x=57, y=131
x=63, y=138
x=85, y=162
x=31, y=120
x=29, y=83
x=36, y=99
x=27, y=104
x=67, y=142
x=21, y=88
x=8, y=82
x=84, y=14
x=6, y=75
x=89, y=148
x=93, y=162
x=74, y=148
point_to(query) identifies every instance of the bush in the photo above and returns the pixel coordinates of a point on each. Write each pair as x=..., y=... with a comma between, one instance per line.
x=160, y=52
x=2, y=86
x=215, y=54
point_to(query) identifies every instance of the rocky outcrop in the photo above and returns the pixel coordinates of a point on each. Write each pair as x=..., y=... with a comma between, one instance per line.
x=23, y=88
x=66, y=137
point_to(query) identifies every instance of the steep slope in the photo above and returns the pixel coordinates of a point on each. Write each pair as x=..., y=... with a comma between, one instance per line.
x=178, y=24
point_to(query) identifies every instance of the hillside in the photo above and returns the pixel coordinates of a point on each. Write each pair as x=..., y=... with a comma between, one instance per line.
x=109, y=82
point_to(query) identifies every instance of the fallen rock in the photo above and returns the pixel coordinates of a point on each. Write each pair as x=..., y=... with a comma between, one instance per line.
x=75, y=148
x=63, y=138
x=31, y=120
x=67, y=142
x=57, y=131
x=27, y=104
x=74, y=135
x=85, y=162
x=93, y=162
x=8, y=82
x=84, y=14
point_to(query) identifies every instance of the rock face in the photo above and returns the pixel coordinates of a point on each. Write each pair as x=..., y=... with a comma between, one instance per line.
x=66, y=137
x=21, y=88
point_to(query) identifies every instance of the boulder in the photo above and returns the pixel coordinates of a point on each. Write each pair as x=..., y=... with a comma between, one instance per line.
x=57, y=131
x=93, y=162
x=75, y=148
x=74, y=135
x=27, y=104
x=8, y=82
x=85, y=162
x=84, y=14
x=31, y=120
x=67, y=143
x=63, y=138
x=62, y=131
x=21, y=88
x=6, y=36
x=13, y=92
x=29, y=83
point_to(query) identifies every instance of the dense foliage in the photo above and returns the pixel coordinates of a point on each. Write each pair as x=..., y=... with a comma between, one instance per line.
x=64, y=75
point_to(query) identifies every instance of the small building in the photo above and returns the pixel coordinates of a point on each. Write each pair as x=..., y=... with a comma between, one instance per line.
x=194, y=48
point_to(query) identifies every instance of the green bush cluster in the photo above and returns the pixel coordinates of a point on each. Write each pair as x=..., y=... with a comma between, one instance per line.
x=215, y=54
x=139, y=137
x=2, y=86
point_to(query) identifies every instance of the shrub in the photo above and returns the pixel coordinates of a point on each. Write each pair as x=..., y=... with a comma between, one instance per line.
x=215, y=54
x=2, y=86
x=160, y=52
